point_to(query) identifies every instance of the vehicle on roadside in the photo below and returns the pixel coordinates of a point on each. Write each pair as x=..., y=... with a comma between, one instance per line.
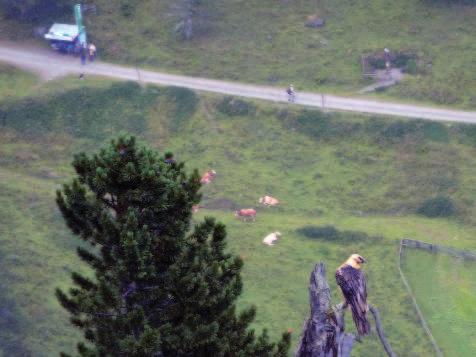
x=64, y=38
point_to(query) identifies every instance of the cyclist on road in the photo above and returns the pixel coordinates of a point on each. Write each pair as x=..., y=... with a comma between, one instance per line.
x=291, y=93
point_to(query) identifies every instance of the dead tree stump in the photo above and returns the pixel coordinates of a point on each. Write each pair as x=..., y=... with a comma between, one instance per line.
x=324, y=333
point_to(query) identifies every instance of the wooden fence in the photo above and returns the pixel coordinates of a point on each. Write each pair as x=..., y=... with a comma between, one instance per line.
x=435, y=248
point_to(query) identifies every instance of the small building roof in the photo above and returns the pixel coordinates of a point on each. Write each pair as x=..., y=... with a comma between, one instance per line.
x=62, y=32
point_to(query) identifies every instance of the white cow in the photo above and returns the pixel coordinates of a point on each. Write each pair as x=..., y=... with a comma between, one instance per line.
x=271, y=238
x=268, y=201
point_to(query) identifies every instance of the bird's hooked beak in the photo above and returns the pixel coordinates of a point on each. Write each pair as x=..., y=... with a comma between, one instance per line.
x=362, y=260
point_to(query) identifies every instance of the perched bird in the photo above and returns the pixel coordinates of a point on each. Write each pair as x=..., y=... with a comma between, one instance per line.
x=352, y=283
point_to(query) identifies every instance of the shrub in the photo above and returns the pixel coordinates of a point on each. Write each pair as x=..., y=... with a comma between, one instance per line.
x=186, y=102
x=235, y=107
x=411, y=67
x=467, y=133
x=320, y=125
x=434, y=131
x=377, y=63
x=401, y=60
x=439, y=206
x=395, y=131
x=127, y=9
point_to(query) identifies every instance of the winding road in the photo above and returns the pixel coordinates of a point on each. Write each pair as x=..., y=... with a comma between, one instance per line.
x=50, y=65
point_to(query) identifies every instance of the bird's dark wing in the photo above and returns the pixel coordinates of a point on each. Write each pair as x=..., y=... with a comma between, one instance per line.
x=353, y=286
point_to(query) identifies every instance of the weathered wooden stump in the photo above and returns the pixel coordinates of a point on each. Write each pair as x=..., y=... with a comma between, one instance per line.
x=324, y=333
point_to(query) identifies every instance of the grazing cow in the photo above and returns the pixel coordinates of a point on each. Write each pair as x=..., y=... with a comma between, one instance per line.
x=196, y=208
x=208, y=177
x=246, y=213
x=268, y=201
x=271, y=238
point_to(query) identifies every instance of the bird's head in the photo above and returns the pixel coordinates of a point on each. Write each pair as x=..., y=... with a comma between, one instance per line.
x=356, y=261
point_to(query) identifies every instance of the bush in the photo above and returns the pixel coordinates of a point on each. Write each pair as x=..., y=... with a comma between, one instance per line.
x=377, y=63
x=395, y=131
x=439, y=206
x=401, y=60
x=186, y=102
x=411, y=67
x=235, y=107
x=467, y=133
x=127, y=9
x=320, y=125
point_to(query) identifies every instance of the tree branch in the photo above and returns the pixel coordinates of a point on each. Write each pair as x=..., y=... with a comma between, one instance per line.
x=381, y=334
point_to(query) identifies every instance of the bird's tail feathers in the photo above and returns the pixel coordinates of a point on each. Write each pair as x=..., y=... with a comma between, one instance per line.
x=361, y=322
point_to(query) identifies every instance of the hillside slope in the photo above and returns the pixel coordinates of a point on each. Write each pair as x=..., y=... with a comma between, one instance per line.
x=265, y=41
x=348, y=171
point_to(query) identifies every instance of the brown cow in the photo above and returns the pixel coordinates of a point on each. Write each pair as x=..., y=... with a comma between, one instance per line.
x=245, y=214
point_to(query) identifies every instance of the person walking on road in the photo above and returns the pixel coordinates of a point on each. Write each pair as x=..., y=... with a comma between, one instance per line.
x=92, y=52
x=291, y=93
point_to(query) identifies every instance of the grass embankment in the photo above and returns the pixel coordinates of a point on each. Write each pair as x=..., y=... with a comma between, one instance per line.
x=14, y=83
x=348, y=171
x=446, y=292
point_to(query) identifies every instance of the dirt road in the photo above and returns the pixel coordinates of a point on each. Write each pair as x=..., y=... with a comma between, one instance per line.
x=50, y=65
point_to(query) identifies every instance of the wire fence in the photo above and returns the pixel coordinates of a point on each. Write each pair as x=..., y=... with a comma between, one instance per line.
x=433, y=248
x=437, y=348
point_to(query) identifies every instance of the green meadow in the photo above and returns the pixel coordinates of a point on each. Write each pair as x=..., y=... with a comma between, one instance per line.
x=368, y=177
x=445, y=289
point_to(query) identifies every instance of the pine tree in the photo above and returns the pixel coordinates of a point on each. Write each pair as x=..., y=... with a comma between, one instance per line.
x=159, y=288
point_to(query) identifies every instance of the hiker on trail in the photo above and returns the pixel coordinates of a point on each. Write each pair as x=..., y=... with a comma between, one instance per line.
x=388, y=63
x=291, y=93
x=92, y=52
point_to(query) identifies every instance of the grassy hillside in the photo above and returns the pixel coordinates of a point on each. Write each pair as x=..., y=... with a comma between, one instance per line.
x=355, y=173
x=265, y=41
x=14, y=83
x=446, y=293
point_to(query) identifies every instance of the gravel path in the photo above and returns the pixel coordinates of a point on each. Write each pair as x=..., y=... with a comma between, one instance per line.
x=51, y=65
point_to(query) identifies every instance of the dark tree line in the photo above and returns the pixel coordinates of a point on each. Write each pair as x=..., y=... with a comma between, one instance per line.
x=34, y=10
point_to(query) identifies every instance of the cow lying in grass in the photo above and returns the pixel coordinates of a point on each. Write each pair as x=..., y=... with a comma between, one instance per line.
x=268, y=201
x=271, y=238
x=246, y=214
x=208, y=177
